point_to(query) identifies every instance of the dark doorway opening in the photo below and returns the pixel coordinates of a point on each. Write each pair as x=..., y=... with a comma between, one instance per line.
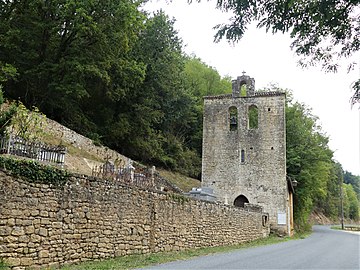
x=240, y=201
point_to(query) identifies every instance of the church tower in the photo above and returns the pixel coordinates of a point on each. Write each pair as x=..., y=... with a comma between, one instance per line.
x=244, y=150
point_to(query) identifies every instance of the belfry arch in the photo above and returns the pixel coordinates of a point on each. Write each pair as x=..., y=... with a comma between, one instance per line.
x=240, y=201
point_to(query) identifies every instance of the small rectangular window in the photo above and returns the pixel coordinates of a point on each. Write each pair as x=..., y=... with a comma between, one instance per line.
x=242, y=156
x=264, y=220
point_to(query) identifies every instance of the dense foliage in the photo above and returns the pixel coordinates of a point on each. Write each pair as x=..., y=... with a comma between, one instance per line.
x=110, y=72
x=119, y=76
x=310, y=162
x=352, y=192
x=34, y=171
x=69, y=53
x=353, y=180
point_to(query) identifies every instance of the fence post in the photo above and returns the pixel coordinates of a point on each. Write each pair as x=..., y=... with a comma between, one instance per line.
x=61, y=155
x=8, y=144
x=152, y=176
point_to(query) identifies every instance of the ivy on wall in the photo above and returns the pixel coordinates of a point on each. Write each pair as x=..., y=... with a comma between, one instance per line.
x=34, y=172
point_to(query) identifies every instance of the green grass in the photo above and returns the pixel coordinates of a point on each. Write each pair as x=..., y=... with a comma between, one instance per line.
x=346, y=227
x=138, y=261
x=71, y=149
x=78, y=152
x=185, y=183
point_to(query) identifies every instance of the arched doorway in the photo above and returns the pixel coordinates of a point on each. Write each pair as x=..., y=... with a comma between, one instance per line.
x=240, y=201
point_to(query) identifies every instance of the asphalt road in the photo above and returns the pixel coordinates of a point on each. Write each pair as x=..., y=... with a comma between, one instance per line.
x=324, y=249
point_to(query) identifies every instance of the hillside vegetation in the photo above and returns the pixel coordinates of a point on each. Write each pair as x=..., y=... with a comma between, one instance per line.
x=82, y=155
x=119, y=76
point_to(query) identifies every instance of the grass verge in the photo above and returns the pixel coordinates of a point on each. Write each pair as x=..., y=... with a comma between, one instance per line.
x=346, y=227
x=138, y=261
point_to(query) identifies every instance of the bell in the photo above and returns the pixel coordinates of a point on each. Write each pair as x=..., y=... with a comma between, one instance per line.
x=233, y=120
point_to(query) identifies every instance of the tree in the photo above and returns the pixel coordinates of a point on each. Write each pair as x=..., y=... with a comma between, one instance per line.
x=353, y=180
x=151, y=122
x=309, y=160
x=322, y=31
x=27, y=124
x=353, y=202
x=331, y=206
x=201, y=80
x=7, y=72
x=110, y=72
x=68, y=53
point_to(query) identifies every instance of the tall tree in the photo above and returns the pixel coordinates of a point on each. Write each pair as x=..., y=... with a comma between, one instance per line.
x=202, y=80
x=65, y=50
x=322, y=31
x=7, y=72
x=309, y=159
x=353, y=202
x=332, y=203
x=353, y=180
x=151, y=122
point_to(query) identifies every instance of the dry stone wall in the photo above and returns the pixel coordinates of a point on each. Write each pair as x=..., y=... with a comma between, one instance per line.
x=79, y=141
x=87, y=218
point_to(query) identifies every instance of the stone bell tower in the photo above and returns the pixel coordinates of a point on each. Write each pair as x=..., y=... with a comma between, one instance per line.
x=244, y=150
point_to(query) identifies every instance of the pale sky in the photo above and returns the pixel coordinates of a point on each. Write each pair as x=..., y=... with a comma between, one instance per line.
x=268, y=59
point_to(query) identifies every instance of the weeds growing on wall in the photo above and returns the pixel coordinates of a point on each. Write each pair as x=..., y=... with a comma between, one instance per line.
x=178, y=198
x=3, y=265
x=34, y=171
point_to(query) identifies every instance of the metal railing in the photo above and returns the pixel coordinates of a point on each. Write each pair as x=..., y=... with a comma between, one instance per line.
x=143, y=177
x=18, y=146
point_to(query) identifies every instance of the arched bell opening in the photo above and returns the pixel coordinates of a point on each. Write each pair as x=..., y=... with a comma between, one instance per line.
x=233, y=118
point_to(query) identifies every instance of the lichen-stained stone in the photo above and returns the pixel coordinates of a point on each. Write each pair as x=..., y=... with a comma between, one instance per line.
x=244, y=149
x=18, y=231
x=115, y=220
x=5, y=230
x=43, y=254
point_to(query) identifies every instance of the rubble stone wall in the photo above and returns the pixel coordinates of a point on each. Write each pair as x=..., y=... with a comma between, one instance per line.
x=77, y=140
x=248, y=162
x=88, y=219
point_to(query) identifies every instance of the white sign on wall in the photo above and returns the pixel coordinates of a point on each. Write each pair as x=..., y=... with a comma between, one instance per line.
x=281, y=218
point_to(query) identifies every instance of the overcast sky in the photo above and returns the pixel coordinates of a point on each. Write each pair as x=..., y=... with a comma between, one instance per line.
x=268, y=59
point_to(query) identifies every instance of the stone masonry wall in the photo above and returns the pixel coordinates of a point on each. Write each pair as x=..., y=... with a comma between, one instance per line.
x=82, y=142
x=88, y=218
x=247, y=162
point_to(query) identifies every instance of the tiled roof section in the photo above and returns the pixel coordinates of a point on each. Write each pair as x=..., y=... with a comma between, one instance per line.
x=257, y=94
